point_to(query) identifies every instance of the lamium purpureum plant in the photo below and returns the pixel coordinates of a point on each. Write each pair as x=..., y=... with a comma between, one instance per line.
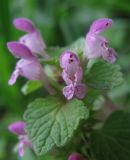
x=76, y=120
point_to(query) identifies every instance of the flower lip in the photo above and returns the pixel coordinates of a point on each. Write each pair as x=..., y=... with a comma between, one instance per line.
x=68, y=91
x=24, y=24
x=110, y=55
x=30, y=69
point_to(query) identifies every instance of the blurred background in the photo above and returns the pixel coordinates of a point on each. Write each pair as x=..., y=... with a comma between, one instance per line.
x=60, y=22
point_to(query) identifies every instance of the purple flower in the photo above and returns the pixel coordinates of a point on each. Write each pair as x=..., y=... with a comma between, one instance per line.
x=33, y=39
x=96, y=44
x=72, y=75
x=18, y=128
x=100, y=25
x=75, y=156
x=28, y=66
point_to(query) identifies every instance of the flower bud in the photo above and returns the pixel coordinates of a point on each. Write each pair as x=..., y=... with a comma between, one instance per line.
x=17, y=128
x=24, y=24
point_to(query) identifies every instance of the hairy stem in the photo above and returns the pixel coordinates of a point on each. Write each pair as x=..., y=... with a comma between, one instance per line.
x=84, y=62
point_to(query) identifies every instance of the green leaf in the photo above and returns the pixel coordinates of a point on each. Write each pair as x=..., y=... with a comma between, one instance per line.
x=55, y=52
x=51, y=122
x=92, y=96
x=112, y=141
x=78, y=46
x=51, y=61
x=2, y=148
x=103, y=75
x=30, y=87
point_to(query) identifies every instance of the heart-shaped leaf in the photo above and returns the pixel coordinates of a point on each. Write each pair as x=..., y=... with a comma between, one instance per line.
x=52, y=122
x=103, y=75
x=112, y=141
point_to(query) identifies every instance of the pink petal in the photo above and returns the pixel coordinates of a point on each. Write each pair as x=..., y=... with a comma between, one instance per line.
x=17, y=128
x=76, y=78
x=30, y=69
x=100, y=25
x=13, y=77
x=19, y=50
x=79, y=75
x=21, y=149
x=68, y=91
x=110, y=55
x=34, y=42
x=26, y=142
x=80, y=91
x=75, y=156
x=95, y=46
x=66, y=78
x=68, y=58
x=24, y=24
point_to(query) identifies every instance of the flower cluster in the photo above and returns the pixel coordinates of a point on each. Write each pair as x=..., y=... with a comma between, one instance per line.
x=27, y=49
x=18, y=128
x=31, y=45
x=96, y=44
x=72, y=75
